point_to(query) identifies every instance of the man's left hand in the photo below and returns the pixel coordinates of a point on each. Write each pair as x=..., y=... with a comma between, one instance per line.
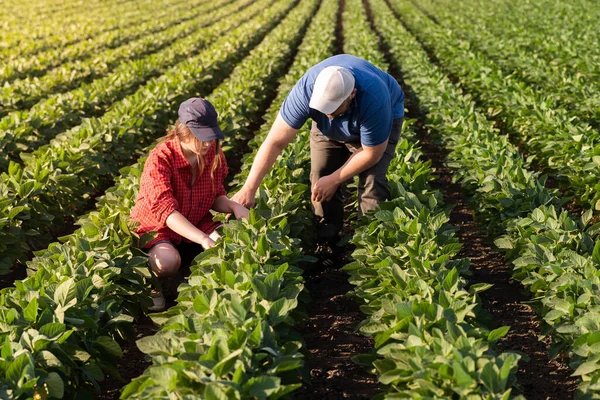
x=324, y=189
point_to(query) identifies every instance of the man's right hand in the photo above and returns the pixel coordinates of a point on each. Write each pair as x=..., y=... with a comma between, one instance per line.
x=245, y=197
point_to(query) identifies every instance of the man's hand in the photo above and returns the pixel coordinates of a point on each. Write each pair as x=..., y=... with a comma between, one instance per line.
x=245, y=197
x=240, y=212
x=324, y=189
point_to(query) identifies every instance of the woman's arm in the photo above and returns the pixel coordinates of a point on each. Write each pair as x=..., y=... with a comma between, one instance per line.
x=225, y=205
x=180, y=225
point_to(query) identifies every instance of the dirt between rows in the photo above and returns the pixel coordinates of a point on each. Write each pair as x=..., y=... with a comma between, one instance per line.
x=540, y=378
x=331, y=337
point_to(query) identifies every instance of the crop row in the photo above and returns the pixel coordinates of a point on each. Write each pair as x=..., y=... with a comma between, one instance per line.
x=509, y=198
x=24, y=131
x=253, y=280
x=567, y=148
x=428, y=337
x=39, y=37
x=58, y=179
x=98, y=271
x=542, y=28
x=29, y=65
x=574, y=91
x=21, y=94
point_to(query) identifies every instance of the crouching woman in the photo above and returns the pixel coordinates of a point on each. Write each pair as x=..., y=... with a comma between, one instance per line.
x=181, y=182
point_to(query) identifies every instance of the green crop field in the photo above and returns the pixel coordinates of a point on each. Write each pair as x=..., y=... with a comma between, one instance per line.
x=478, y=279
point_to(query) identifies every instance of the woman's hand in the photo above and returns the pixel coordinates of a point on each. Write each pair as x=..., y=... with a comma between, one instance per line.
x=206, y=242
x=240, y=212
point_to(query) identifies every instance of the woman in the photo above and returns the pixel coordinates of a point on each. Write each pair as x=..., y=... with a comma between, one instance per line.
x=182, y=181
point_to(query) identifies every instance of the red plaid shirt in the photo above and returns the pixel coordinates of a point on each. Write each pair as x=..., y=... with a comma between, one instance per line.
x=166, y=187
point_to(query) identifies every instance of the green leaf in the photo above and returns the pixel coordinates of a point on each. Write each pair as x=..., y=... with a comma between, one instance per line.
x=596, y=252
x=498, y=333
x=261, y=387
x=586, y=368
x=154, y=345
x=110, y=345
x=19, y=367
x=65, y=292
x=224, y=366
x=212, y=391
x=279, y=310
x=52, y=329
x=451, y=280
x=201, y=305
x=479, y=287
x=385, y=216
x=30, y=312
x=489, y=377
x=56, y=386
x=462, y=378
x=93, y=371
x=587, y=217
x=263, y=246
x=503, y=243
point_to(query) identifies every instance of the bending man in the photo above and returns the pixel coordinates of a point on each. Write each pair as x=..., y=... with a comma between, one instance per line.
x=356, y=111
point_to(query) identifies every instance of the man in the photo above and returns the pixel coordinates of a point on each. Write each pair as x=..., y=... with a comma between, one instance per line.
x=357, y=111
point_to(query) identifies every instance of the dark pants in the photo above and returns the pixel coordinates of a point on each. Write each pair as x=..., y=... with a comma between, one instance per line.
x=326, y=156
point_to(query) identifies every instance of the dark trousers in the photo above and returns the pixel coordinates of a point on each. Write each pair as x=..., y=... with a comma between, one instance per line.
x=326, y=156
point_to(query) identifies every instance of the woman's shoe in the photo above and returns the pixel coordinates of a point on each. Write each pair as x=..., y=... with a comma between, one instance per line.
x=159, y=301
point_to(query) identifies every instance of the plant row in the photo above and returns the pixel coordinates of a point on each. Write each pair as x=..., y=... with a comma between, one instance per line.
x=57, y=180
x=242, y=295
x=567, y=43
x=575, y=91
x=24, y=131
x=41, y=37
x=138, y=22
x=509, y=199
x=429, y=341
x=567, y=148
x=21, y=94
x=101, y=272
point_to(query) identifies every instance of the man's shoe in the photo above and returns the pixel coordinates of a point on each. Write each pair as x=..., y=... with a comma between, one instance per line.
x=159, y=301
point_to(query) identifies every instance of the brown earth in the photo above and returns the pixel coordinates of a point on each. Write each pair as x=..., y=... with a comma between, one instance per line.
x=331, y=340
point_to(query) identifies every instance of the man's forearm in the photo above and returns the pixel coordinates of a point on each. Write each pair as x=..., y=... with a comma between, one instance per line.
x=264, y=160
x=359, y=161
x=280, y=135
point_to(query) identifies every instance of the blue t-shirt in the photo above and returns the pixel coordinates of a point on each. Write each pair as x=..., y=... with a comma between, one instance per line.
x=379, y=100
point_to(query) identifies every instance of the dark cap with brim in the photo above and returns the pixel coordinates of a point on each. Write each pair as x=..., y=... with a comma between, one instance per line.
x=201, y=118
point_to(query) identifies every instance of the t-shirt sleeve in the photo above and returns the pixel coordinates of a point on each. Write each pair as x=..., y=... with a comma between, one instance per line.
x=376, y=124
x=295, y=110
x=160, y=197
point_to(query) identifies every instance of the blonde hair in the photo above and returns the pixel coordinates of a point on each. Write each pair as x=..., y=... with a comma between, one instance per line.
x=184, y=134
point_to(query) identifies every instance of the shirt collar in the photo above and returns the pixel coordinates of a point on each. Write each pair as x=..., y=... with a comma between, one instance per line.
x=180, y=160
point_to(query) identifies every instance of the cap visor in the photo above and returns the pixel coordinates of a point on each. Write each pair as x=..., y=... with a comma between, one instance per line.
x=208, y=134
x=324, y=106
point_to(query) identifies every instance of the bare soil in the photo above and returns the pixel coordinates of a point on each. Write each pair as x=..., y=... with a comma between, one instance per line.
x=332, y=340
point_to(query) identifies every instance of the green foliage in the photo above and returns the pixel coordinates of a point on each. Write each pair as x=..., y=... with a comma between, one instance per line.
x=421, y=313
x=58, y=179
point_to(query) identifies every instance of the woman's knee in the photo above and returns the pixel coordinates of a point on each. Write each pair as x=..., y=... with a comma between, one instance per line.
x=164, y=260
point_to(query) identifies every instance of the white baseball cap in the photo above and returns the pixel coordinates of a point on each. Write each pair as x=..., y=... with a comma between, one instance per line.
x=332, y=86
